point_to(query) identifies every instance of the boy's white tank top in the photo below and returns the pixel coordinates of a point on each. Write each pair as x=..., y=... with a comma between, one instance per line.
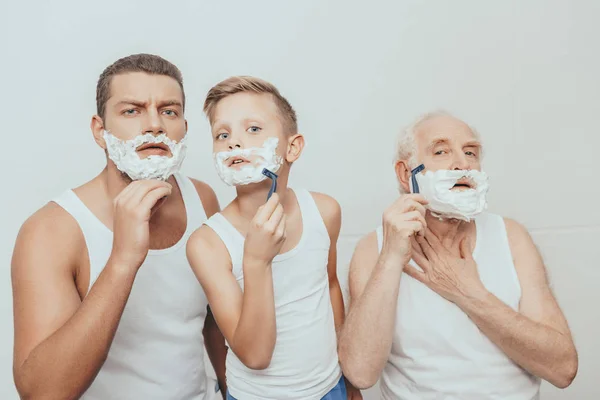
x=158, y=349
x=438, y=352
x=305, y=364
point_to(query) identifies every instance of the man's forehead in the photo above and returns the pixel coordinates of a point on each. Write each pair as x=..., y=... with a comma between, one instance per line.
x=142, y=86
x=444, y=128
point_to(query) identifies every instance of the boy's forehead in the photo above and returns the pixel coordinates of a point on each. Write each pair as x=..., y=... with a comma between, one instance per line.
x=245, y=105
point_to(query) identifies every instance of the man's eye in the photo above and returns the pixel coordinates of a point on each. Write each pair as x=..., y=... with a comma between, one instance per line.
x=439, y=152
x=170, y=113
x=130, y=111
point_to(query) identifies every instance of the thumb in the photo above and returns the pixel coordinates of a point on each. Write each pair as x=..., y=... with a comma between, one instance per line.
x=465, y=251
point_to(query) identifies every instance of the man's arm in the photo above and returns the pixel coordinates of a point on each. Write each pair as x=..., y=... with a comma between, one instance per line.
x=213, y=338
x=537, y=337
x=60, y=341
x=374, y=280
x=366, y=336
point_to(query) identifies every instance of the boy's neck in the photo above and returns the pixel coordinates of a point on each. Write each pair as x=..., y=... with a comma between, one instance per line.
x=250, y=197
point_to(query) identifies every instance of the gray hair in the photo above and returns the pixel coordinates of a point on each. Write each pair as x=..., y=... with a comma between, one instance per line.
x=406, y=146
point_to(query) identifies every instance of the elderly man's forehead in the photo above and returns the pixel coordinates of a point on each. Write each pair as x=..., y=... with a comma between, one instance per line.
x=444, y=126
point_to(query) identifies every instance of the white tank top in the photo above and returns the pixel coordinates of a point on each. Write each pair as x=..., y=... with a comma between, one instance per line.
x=158, y=349
x=438, y=352
x=305, y=362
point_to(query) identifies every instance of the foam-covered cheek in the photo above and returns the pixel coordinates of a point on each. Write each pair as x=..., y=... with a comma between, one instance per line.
x=259, y=157
x=444, y=202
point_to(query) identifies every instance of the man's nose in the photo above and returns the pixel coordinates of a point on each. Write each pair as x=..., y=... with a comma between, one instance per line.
x=460, y=162
x=154, y=124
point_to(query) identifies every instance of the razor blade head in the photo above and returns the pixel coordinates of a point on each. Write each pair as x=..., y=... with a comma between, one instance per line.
x=413, y=178
x=269, y=174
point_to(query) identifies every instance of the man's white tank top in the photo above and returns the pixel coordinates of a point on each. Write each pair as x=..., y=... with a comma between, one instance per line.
x=305, y=364
x=158, y=349
x=438, y=352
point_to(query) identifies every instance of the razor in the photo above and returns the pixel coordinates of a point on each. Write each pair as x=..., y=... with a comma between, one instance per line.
x=273, y=177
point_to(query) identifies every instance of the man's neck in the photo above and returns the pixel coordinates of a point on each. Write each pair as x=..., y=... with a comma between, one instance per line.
x=447, y=230
x=115, y=182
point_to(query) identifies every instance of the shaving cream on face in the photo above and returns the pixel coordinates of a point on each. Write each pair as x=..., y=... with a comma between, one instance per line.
x=123, y=153
x=259, y=157
x=436, y=187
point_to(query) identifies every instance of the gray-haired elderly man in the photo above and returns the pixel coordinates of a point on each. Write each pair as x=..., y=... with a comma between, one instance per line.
x=448, y=301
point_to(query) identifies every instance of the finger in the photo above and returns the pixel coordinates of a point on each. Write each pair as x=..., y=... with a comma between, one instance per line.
x=273, y=221
x=415, y=273
x=426, y=247
x=415, y=247
x=421, y=261
x=414, y=205
x=153, y=197
x=280, y=232
x=140, y=191
x=416, y=197
x=465, y=249
x=418, y=217
x=432, y=239
x=126, y=193
x=264, y=212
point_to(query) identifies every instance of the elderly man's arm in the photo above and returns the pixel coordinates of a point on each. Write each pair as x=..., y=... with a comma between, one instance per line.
x=366, y=336
x=537, y=337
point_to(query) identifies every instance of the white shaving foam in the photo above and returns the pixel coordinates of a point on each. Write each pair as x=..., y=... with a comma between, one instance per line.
x=123, y=153
x=259, y=157
x=436, y=187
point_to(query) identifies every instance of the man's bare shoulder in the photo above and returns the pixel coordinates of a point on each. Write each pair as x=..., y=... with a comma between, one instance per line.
x=51, y=233
x=208, y=197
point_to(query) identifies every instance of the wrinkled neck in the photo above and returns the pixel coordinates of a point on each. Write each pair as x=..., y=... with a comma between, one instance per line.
x=447, y=230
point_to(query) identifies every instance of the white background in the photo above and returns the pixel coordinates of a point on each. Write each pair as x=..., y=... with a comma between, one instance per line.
x=525, y=73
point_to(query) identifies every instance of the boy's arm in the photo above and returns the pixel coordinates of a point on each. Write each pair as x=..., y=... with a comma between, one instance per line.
x=246, y=319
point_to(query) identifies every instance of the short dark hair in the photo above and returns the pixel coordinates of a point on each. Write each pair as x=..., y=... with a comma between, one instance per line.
x=148, y=63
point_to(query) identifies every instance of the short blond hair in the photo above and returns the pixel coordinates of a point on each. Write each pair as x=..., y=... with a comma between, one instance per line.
x=240, y=84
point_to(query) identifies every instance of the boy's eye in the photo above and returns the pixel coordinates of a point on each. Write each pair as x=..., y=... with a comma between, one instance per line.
x=254, y=129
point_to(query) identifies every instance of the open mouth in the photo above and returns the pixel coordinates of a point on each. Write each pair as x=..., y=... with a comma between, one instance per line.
x=463, y=184
x=237, y=161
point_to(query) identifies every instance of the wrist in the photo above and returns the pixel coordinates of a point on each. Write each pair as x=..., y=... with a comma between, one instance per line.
x=252, y=263
x=121, y=266
x=474, y=298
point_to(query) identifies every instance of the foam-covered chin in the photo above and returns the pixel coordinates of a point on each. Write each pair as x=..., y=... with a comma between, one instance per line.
x=436, y=187
x=123, y=153
x=262, y=157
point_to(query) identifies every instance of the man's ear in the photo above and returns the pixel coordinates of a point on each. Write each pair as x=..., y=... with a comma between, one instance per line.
x=295, y=147
x=403, y=174
x=97, y=126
